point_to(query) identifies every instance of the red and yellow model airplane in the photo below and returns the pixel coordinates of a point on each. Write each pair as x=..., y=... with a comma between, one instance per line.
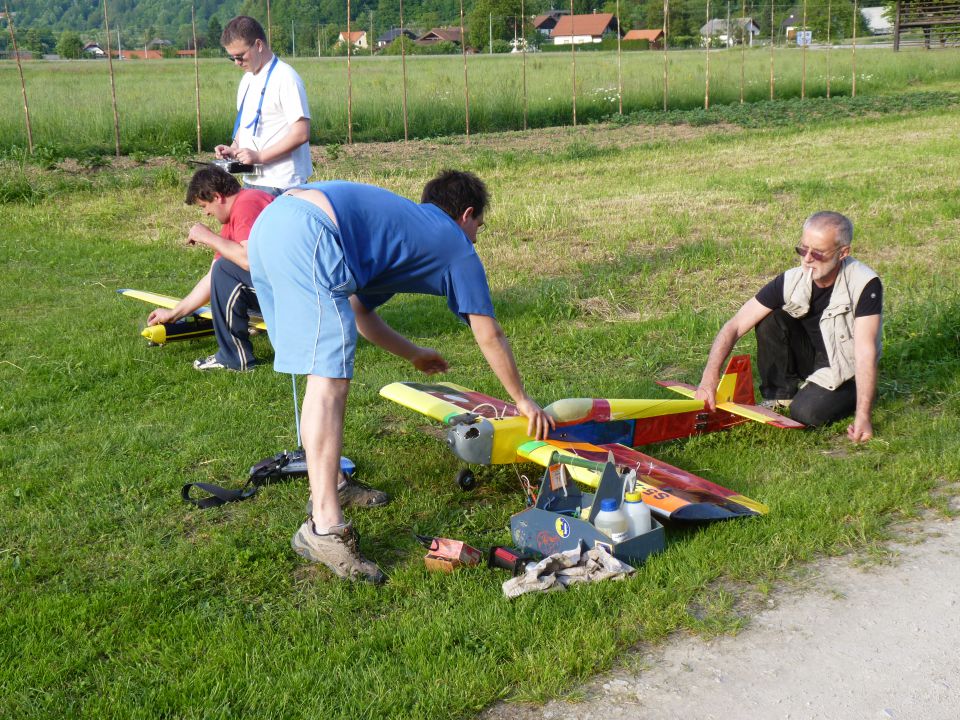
x=487, y=431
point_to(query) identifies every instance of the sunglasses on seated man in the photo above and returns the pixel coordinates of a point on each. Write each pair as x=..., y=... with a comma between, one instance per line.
x=803, y=251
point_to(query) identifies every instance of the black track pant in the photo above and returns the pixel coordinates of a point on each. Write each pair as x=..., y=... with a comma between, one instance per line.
x=785, y=357
x=232, y=297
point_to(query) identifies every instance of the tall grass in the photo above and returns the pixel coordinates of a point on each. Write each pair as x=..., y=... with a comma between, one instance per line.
x=614, y=256
x=70, y=101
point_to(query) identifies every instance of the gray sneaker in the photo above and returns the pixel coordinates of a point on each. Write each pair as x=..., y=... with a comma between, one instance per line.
x=338, y=549
x=355, y=494
x=776, y=405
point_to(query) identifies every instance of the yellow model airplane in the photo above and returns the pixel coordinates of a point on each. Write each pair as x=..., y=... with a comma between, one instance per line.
x=197, y=324
x=487, y=431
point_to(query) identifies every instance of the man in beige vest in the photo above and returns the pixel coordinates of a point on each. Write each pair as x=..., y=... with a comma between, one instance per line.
x=818, y=330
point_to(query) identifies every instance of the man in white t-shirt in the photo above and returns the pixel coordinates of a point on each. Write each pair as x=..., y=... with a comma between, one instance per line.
x=272, y=127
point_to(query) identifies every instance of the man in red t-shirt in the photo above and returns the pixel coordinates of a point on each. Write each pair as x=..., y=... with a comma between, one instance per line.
x=227, y=286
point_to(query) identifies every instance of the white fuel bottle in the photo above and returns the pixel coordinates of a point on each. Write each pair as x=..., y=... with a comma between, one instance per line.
x=638, y=514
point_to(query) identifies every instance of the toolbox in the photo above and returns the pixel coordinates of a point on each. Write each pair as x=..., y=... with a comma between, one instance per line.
x=562, y=518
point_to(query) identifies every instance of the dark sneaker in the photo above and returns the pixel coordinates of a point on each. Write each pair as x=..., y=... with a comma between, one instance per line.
x=356, y=494
x=209, y=363
x=338, y=549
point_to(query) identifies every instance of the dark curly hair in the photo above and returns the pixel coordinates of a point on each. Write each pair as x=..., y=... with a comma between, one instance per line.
x=453, y=191
x=209, y=180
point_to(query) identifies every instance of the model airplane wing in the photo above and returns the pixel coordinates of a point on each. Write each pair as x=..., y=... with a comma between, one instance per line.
x=197, y=324
x=444, y=401
x=670, y=492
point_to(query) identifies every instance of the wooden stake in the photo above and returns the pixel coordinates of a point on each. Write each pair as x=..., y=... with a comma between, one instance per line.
x=619, y=64
x=706, y=85
x=403, y=64
x=853, y=55
x=349, y=81
x=113, y=85
x=666, y=27
x=523, y=34
x=573, y=63
x=23, y=86
x=803, y=71
x=196, y=69
x=829, y=19
x=466, y=82
x=772, y=36
x=743, y=44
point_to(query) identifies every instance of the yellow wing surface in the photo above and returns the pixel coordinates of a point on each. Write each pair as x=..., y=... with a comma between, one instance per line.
x=166, y=301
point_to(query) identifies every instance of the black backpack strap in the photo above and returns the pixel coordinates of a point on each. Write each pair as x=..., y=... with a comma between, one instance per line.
x=218, y=495
x=281, y=466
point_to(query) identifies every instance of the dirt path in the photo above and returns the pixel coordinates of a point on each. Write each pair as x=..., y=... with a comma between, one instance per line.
x=881, y=642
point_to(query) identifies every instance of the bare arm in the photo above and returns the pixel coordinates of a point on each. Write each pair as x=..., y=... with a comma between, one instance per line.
x=297, y=135
x=496, y=349
x=235, y=252
x=374, y=329
x=746, y=318
x=865, y=330
x=200, y=295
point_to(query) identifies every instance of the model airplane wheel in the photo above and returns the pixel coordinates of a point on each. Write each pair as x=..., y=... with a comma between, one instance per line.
x=466, y=479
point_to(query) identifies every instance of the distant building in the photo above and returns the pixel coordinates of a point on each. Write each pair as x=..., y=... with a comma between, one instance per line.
x=654, y=37
x=740, y=28
x=443, y=34
x=357, y=38
x=582, y=29
x=545, y=23
x=94, y=50
x=392, y=34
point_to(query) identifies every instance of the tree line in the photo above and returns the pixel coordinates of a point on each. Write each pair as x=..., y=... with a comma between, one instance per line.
x=312, y=27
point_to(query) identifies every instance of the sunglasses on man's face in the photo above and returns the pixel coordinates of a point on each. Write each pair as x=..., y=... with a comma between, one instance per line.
x=242, y=56
x=803, y=251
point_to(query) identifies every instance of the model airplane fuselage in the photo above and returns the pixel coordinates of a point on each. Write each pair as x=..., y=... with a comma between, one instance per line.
x=487, y=431
x=197, y=324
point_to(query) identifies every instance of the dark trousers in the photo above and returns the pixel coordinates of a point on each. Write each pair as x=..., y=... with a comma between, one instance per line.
x=232, y=297
x=785, y=357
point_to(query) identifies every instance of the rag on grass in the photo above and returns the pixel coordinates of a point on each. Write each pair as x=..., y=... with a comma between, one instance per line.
x=561, y=569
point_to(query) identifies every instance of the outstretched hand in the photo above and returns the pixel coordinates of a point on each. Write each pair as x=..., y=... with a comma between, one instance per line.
x=160, y=316
x=708, y=396
x=429, y=361
x=539, y=424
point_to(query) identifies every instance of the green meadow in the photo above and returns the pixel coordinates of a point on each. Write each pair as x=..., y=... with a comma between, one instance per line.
x=615, y=252
x=71, y=108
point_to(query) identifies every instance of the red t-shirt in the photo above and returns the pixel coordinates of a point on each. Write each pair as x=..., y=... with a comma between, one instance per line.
x=246, y=208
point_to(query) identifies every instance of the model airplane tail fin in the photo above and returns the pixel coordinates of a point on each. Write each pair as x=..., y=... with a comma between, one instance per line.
x=735, y=395
x=736, y=385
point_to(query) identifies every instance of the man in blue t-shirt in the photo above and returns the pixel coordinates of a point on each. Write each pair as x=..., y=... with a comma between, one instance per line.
x=818, y=333
x=324, y=257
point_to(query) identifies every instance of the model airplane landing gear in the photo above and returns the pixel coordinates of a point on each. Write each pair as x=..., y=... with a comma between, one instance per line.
x=466, y=479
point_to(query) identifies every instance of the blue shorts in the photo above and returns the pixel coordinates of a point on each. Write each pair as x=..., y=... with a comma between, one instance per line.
x=304, y=287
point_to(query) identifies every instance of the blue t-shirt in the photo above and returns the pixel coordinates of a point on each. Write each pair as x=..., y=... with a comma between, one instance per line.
x=393, y=245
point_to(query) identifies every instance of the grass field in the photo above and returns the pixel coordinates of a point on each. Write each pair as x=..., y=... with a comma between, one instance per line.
x=614, y=254
x=71, y=109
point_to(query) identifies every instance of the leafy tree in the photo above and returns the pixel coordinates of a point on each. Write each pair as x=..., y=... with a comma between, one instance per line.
x=214, y=31
x=69, y=45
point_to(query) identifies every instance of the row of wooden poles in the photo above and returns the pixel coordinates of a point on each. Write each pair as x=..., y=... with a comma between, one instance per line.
x=466, y=82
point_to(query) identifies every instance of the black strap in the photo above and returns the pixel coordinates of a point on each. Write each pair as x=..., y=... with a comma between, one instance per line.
x=279, y=467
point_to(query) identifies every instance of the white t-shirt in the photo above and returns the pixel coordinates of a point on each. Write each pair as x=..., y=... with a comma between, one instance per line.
x=284, y=102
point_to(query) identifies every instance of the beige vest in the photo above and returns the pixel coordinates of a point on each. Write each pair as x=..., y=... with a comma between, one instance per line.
x=836, y=323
